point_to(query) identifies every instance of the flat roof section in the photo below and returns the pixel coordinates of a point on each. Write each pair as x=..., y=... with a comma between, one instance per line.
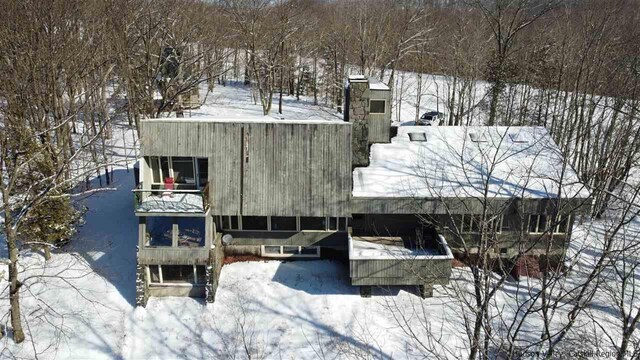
x=457, y=162
x=392, y=248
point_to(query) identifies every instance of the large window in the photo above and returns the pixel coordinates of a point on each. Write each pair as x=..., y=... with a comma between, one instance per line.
x=191, y=231
x=183, y=170
x=377, y=106
x=538, y=224
x=202, y=171
x=177, y=274
x=188, y=231
x=472, y=224
x=313, y=223
x=159, y=231
x=254, y=223
x=284, y=223
x=186, y=171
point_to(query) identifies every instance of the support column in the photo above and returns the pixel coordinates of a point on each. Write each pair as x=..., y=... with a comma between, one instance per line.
x=210, y=286
x=141, y=283
x=425, y=291
x=174, y=232
x=365, y=291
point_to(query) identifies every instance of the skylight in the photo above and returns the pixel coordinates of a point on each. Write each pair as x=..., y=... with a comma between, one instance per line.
x=518, y=138
x=417, y=136
x=478, y=137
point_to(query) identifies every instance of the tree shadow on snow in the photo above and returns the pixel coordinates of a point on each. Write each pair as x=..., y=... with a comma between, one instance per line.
x=108, y=238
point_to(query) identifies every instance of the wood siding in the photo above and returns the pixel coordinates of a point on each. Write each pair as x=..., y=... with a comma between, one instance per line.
x=264, y=168
x=380, y=124
x=400, y=272
x=173, y=256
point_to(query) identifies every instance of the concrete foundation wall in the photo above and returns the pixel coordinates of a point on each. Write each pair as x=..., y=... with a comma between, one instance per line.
x=176, y=290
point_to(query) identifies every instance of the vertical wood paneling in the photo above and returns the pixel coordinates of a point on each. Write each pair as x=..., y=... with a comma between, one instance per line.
x=301, y=168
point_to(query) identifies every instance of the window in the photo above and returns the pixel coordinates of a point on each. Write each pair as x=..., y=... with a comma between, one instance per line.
x=229, y=223
x=177, y=274
x=537, y=223
x=290, y=251
x=333, y=224
x=270, y=250
x=312, y=223
x=344, y=224
x=154, y=273
x=201, y=274
x=164, y=166
x=159, y=231
x=203, y=172
x=284, y=223
x=310, y=250
x=254, y=223
x=155, y=169
x=472, y=224
x=191, y=231
x=181, y=169
x=563, y=225
x=505, y=224
x=377, y=106
x=183, y=172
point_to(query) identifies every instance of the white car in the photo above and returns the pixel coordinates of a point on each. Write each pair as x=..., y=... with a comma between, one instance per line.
x=431, y=118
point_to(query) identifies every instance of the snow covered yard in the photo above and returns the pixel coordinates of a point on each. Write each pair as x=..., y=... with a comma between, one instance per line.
x=235, y=101
x=83, y=308
x=276, y=309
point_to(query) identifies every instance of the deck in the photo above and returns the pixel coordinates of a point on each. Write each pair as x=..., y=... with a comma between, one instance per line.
x=173, y=202
x=383, y=261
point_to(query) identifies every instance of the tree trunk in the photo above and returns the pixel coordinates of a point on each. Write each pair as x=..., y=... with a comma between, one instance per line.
x=14, y=283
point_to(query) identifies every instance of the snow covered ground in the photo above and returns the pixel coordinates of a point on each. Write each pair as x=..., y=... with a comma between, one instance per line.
x=290, y=310
x=236, y=101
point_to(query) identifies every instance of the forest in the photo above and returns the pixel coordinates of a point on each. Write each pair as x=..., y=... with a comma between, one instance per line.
x=70, y=71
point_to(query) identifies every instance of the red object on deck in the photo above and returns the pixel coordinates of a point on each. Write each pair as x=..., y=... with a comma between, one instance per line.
x=168, y=183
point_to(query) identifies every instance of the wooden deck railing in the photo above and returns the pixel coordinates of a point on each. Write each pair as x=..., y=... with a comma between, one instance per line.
x=140, y=194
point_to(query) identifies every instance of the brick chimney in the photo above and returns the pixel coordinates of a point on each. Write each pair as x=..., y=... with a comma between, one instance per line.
x=357, y=106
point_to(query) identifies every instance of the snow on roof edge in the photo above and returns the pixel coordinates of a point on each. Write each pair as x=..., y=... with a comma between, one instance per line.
x=265, y=120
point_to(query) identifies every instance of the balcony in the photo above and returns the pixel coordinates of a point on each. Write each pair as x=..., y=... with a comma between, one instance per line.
x=171, y=201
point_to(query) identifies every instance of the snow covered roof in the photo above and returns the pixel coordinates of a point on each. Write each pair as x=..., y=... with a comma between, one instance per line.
x=367, y=250
x=374, y=84
x=454, y=161
x=262, y=120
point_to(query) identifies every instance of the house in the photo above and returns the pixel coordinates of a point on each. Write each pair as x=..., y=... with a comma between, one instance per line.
x=211, y=188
